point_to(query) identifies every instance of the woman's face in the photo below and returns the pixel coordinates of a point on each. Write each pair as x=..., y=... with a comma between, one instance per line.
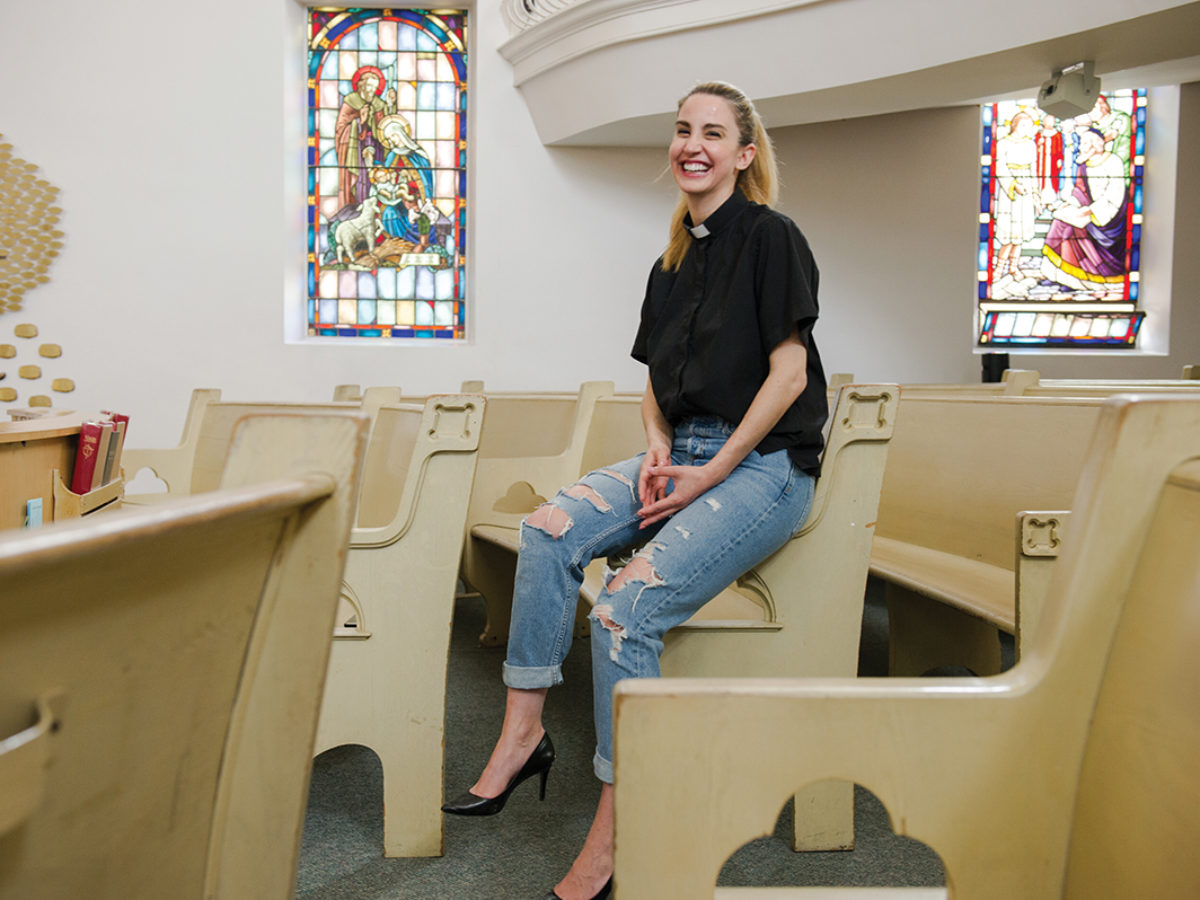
x=705, y=155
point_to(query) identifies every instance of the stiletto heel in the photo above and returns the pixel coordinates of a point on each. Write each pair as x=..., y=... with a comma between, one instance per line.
x=539, y=763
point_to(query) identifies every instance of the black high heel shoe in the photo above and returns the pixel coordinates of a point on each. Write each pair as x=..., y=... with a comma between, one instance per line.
x=603, y=893
x=539, y=763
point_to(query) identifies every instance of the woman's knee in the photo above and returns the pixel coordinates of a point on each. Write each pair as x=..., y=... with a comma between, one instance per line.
x=549, y=518
x=605, y=492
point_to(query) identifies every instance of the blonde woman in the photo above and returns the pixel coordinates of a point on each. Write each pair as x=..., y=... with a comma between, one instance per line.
x=733, y=411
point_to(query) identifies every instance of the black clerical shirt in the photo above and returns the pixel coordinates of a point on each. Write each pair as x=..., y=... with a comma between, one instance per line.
x=707, y=330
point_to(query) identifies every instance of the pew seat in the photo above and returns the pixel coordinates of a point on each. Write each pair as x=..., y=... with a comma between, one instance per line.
x=1072, y=775
x=386, y=685
x=160, y=674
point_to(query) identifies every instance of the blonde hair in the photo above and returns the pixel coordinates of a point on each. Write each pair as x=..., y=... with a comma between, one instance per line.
x=759, y=181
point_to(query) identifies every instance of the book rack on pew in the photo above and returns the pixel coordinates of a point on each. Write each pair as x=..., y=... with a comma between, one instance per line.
x=69, y=505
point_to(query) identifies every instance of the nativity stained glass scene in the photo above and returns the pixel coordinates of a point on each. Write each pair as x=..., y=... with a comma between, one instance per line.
x=387, y=94
x=1060, y=224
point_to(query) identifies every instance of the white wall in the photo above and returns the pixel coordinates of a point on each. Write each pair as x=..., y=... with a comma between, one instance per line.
x=164, y=126
x=890, y=218
x=167, y=131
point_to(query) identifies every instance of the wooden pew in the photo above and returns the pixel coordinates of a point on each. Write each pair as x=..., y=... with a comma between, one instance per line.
x=800, y=611
x=386, y=687
x=532, y=444
x=194, y=465
x=961, y=469
x=1029, y=383
x=1070, y=776
x=972, y=512
x=160, y=675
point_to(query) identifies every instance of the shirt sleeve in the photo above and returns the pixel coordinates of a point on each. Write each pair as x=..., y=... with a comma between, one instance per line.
x=787, y=282
x=641, y=349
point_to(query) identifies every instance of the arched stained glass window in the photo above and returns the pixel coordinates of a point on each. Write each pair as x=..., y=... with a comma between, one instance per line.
x=387, y=117
x=1060, y=225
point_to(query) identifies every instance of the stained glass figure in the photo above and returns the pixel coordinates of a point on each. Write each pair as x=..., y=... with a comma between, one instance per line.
x=387, y=117
x=1060, y=224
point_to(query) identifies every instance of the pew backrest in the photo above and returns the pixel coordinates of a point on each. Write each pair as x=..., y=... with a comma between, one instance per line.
x=195, y=463
x=531, y=445
x=960, y=468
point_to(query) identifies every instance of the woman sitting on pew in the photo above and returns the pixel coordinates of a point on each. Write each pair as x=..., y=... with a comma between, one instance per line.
x=733, y=412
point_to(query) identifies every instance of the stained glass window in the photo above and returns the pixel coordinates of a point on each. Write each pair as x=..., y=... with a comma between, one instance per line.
x=1060, y=225
x=387, y=131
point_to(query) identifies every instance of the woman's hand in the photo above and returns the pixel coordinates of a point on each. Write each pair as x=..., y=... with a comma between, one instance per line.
x=652, y=488
x=690, y=482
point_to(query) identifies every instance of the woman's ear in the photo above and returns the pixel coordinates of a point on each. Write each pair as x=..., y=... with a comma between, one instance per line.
x=745, y=157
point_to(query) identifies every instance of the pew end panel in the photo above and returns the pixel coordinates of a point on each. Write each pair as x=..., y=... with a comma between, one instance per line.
x=806, y=591
x=386, y=685
x=260, y=804
x=170, y=699
x=1058, y=767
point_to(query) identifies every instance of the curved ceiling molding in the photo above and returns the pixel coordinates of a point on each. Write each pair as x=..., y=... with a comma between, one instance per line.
x=609, y=72
x=553, y=32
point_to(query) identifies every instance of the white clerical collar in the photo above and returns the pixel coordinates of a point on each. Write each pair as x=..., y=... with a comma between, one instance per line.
x=699, y=231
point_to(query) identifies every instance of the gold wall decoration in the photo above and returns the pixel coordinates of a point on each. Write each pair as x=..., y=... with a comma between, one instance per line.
x=30, y=241
x=62, y=385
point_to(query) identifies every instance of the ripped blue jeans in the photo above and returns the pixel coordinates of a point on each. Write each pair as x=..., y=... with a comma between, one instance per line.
x=687, y=560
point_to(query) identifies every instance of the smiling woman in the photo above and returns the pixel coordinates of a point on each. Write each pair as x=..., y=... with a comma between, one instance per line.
x=733, y=411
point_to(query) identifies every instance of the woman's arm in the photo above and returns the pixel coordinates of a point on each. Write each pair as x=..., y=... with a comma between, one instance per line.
x=786, y=379
x=659, y=435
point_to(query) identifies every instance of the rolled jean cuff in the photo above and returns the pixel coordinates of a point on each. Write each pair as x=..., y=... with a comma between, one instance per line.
x=603, y=768
x=531, y=677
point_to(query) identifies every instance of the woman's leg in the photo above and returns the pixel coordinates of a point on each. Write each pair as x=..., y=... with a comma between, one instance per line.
x=695, y=555
x=594, y=864
x=593, y=517
x=520, y=734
